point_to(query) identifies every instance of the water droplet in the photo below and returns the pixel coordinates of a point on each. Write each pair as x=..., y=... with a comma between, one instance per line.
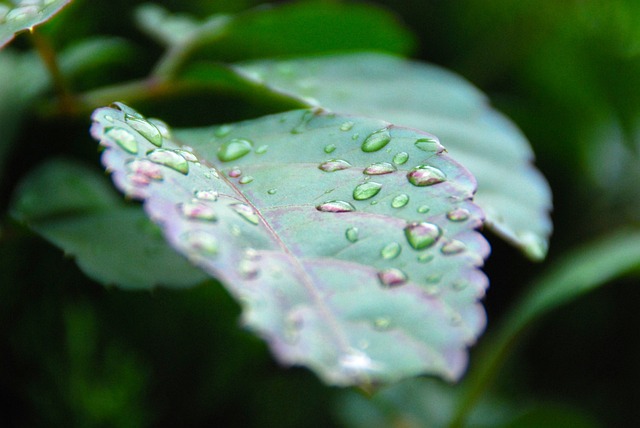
x=223, y=131
x=123, y=138
x=453, y=247
x=246, y=179
x=382, y=323
x=187, y=155
x=459, y=214
x=143, y=172
x=262, y=149
x=248, y=269
x=401, y=158
x=423, y=209
x=427, y=144
x=336, y=207
x=346, y=126
x=108, y=118
x=329, y=148
x=146, y=129
x=334, y=165
x=170, y=159
x=392, y=277
x=425, y=257
x=197, y=211
x=234, y=149
x=434, y=278
x=422, y=235
x=391, y=251
x=351, y=234
x=206, y=195
x=376, y=141
x=162, y=127
x=355, y=136
x=272, y=191
x=246, y=212
x=201, y=242
x=128, y=111
x=459, y=285
x=210, y=173
x=302, y=124
x=235, y=172
x=425, y=175
x=379, y=168
x=357, y=363
x=400, y=201
x=366, y=190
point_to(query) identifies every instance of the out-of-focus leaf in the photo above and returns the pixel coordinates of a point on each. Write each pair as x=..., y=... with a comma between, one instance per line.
x=89, y=54
x=74, y=207
x=514, y=195
x=350, y=242
x=552, y=416
x=23, y=15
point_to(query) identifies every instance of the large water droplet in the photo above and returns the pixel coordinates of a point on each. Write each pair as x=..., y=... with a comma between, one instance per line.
x=379, y=168
x=351, y=234
x=329, y=148
x=376, y=141
x=366, y=190
x=201, y=242
x=391, y=251
x=427, y=144
x=459, y=214
x=234, y=149
x=197, y=211
x=170, y=159
x=161, y=126
x=401, y=158
x=453, y=247
x=392, y=277
x=346, y=126
x=146, y=129
x=334, y=165
x=422, y=235
x=400, y=201
x=336, y=207
x=246, y=212
x=425, y=175
x=125, y=139
x=206, y=195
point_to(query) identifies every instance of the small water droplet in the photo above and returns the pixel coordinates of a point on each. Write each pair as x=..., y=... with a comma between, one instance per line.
x=143, y=172
x=459, y=214
x=336, y=207
x=422, y=235
x=392, y=277
x=366, y=190
x=248, y=269
x=391, y=251
x=423, y=209
x=459, y=285
x=246, y=212
x=125, y=139
x=235, y=172
x=170, y=159
x=351, y=234
x=400, y=201
x=200, y=241
x=431, y=290
x=223, y=131
x=108, y=118
x=146, y=129
x=197, y=211
x=376, y=141
x=379, y=168
x=427, y=144
x=401, y=158
x=453, y=247
x=262, y=149
x=206, y=195
x=272, y=191
x=162, y=127
x=425, y=257
x=346, y=126
x=246, y=179
x=425, y=175
x=234, y=149
x=329, y=148
x=355, y=136
x=187, y=155
x=334, y=165
x=128, y=111
x=382, y=323
x=434, y=278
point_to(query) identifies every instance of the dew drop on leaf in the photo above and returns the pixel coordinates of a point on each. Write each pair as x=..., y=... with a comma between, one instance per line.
x=453, y=247
x=434, y=278
x=366, y=190
x=246, y=179
x=379, y=168
x=423, y=209
x=201, y=242
x=422, y=235
x=234, y=149
x=206, y=195
x=400, y=201
x=128, y=111
x=346, y=126
x=272, y=191
x=425, y=175
x=170, y=159
x=427, y=145
x=391, y=251
x=401, y=158
x=459, y=214
x=123, y=138
x=336, y=207
x=248, y=269
x=235, y=172
x=246, y=212
x=351, y=234
x=376, y=141
x=329, y=148
x=262, y=149
x=425, y=257
x=146, y=129
x=22, y=13
x=162, y=127
x=143, y=171
x=382, y=323
x=334, y=165
x=392, y=277
x=187, y=155
x=223, y=131
x=197, y=211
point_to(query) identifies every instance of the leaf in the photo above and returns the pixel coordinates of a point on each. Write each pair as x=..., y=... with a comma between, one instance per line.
x=309, y=223
x=25, y=15
x=73, y=207
x=514, y=195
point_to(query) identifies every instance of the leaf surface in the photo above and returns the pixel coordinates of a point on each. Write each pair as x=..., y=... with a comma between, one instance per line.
x=23, y=15
x=340, y=262
x=514, y=195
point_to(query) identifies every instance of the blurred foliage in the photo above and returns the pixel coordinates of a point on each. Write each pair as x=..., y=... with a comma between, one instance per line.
x=75, y=354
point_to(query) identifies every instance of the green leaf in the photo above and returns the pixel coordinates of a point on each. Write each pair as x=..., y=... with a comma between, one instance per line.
x=514, y=195
x=23, y=15
x=340, y=263
x=76, y=209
